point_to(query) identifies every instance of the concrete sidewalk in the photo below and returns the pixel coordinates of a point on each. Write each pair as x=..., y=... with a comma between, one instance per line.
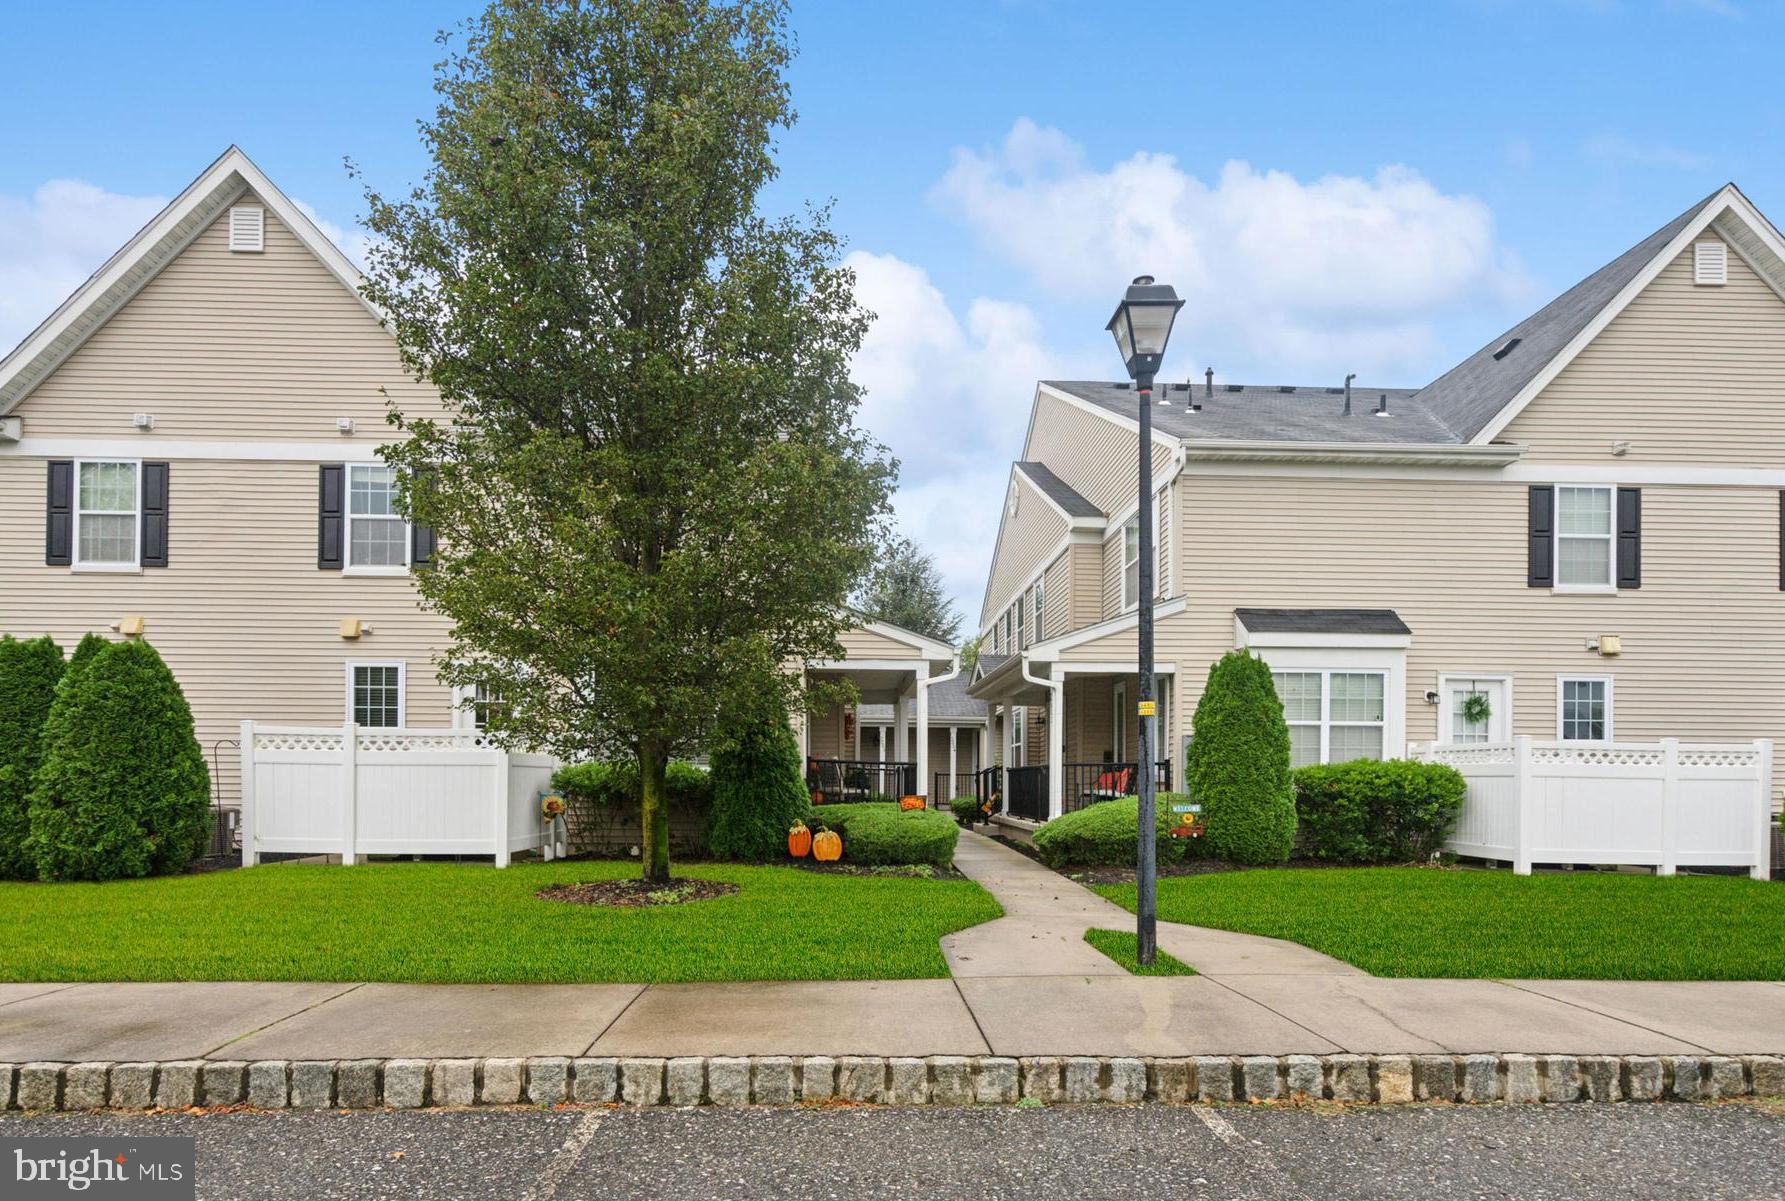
x=1025, y=985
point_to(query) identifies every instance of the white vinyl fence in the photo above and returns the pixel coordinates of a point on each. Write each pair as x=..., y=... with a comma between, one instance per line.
x=1666, y=804
x=353, y=791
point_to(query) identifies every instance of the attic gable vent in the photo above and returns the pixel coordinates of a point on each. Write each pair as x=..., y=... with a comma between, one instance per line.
x=1710, y=263
x=247, y=227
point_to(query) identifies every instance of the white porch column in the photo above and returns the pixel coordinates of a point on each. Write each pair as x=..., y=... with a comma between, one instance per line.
x=1056, y=748
x=902, y=741
x=923, y=736
x=953, y=761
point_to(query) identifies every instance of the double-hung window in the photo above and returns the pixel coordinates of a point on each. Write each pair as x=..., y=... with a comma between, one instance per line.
x=375, y=694
x=1131, y=564
x=1037, y=606
x=377, y=535
x=1017, y=622
x=1333, y=716
x=1017, y=713
x=1585, y=538
x=107, y=515
x=1583, y=708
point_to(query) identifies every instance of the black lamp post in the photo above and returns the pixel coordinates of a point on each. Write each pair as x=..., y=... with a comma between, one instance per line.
x=1142, y=326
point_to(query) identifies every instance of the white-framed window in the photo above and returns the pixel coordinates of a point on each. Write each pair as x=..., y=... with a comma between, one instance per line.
x=377, y=535
x=1454, y=724
x=1017, y=623
x=1333, y=716
x=107, y=514
x=472, y=705
x=1131, y=564
x=1585, y=537
x=1037, y=605
x=375, y=692
x=1017, y=713
x=1583, y=708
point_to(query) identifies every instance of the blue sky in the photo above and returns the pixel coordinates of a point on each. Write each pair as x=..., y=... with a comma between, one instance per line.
x=1376, y=187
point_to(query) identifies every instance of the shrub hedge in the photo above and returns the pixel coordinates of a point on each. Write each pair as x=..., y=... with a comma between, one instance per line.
x=616, y=783
x=29, y=672
x=1106, y=834
x=759, y=787
x=875, y=833
x=123, y=789
x=1371, y=811
x=966, y=810
x=1238, y=765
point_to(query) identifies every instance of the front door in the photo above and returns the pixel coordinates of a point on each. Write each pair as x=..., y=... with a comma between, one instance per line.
x=1486, y=720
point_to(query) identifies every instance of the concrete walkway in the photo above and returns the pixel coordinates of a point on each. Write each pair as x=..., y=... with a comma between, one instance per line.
x=1025, y=984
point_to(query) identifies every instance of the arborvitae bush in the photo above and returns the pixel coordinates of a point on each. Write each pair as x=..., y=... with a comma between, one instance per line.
x=29, y=672
x=1238, y=766
x=122, y=789
x=758, y=788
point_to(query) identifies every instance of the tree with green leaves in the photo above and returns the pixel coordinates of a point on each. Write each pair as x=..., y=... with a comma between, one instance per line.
x=651, y=492
x=759, y=787
x=84, y=650
x=122, y=790
x=1238, y=765
x=906, y=589
x=29, y=671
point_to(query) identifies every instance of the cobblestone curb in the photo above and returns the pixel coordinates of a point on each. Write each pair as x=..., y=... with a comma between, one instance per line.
x=863, y=1079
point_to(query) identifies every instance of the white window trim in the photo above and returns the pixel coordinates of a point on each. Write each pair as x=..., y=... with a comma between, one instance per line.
x=1162, y=530
x=135, y=566
x=1129, y=602
x=402, y=689
x=1610, y=587
x=1037, y=602
x=348, y=567
x=1386, y=654
x=1609, y=708
x=1446, y=678
x=1326, y=722
x=1017, y=729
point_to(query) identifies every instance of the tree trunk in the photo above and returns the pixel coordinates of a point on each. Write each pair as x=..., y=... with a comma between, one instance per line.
x=653, y=759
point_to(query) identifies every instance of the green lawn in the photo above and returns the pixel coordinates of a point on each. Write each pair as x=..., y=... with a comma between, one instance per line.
x=1425, y=922
x=435, y=922
x=1124, y=947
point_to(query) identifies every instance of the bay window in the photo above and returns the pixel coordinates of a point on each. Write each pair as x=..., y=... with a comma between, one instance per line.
x=1333, y=716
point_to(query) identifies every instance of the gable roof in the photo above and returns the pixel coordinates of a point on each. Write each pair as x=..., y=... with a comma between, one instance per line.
x=1471, y=394
x=155, y=245
x=1058, y=490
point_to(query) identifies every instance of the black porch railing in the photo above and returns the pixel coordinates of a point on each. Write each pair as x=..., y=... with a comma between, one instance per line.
x=837, y=780
x=945, y=788
x=1026, y=793
x=1087, y=783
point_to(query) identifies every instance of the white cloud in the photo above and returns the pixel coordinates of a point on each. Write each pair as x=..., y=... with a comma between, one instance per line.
x=1284, y=276
x=951, y=397
x=351, y=242
x=52, y=240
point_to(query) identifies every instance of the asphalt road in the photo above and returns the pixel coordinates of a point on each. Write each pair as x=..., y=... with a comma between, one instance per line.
x=1637, y=1151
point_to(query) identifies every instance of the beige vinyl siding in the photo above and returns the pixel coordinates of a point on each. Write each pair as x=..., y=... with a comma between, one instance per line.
x=1036, y=529
x=1111, y=599
x=824, y=735
x=1093, y=454
x=1087, y=583
x=243, y=616
x=1686, y=374
x=1057, y=616
x=1703, y=639
x=870, y=644
x=232, y=346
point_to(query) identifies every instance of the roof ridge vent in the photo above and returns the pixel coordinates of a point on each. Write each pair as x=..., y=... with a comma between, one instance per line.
x=1286, y=389
x=1507, y=347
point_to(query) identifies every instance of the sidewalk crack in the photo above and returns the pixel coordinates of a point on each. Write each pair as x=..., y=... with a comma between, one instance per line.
x=286, y=1017
x=1610, y=1017
x=602, y=1033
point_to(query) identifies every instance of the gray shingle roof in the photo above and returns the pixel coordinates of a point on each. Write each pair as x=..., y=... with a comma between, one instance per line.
x=1468, y=396
x=948, y=701
x=1322, y=621
x=1272, y=413
x=1452, y=409
x=1058, y=490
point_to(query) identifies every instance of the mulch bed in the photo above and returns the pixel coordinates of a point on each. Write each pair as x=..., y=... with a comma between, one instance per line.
x=636, y=893
x=910, y=871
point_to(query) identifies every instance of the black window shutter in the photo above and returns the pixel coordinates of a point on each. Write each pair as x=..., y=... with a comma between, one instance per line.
x=331, y=523
x=1630, y=537
x=1540, y=569
x=58, y=548
x=154, y=515
x=421, y=537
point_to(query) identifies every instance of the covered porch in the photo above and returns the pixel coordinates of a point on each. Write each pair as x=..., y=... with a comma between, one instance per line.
x=1066, y=730
x=887, y=741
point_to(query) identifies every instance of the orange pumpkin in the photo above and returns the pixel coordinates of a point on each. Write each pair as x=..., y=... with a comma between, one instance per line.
x=827, y=846
x=799, y=840
x=911, y=802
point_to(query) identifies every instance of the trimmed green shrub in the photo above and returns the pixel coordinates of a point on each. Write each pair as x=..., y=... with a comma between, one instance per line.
x=616, y=784
x=874, y=833
x=84, y=650
x=123, y=789
x=966, y=810
x=1106, y=834
x=1371, y=811
x=29, y=672
x=1238, y=765
x=759, y=786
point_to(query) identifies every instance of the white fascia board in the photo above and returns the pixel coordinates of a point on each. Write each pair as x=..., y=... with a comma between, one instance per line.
x=1414, y=453
x=347, y=450
x=1729, y=198
x=224, y=181
x=910, y=665
x=1244, y=639
x=997, y=543
x=1160, y=437
x=1049, y=650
